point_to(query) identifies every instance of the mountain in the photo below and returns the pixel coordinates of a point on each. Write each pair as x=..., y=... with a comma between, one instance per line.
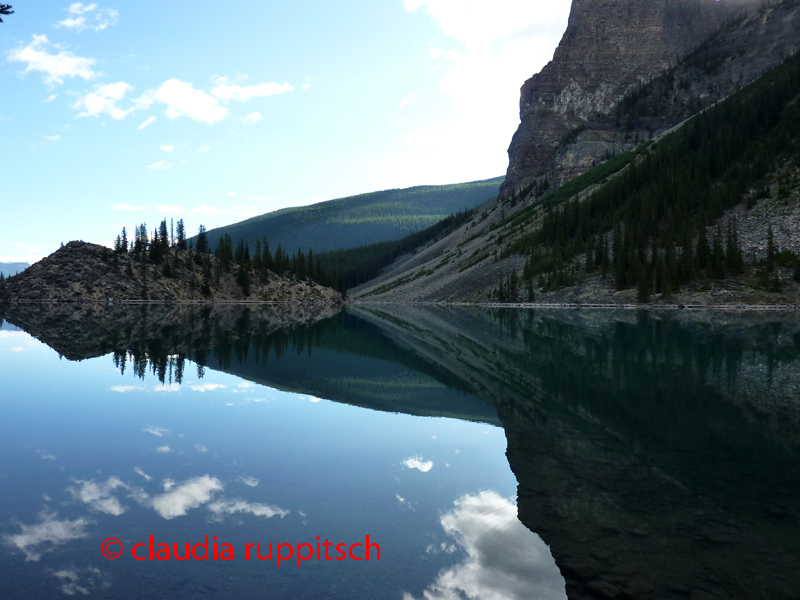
x=706, y=150
x=84, y=272
x=610, y=48
x=358, y=220
x=11, y=268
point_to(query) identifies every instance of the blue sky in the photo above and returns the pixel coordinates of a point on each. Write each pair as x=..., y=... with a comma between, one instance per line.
x=116, y=113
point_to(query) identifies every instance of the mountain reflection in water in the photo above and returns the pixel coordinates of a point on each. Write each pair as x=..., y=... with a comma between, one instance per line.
x=655, y=454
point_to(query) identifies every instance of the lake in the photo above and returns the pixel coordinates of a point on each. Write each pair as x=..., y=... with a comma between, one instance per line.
x=400, y=452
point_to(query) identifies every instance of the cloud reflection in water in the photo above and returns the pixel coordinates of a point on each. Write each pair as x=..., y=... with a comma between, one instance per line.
x=49, y=530
x=505, y=561
x=189, y=494
x=100, y=495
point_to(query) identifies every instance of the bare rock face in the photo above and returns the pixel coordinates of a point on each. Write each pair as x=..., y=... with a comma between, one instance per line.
x=609, y=48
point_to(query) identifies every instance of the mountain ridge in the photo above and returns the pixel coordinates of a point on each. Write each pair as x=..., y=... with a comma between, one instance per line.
x=359, y=220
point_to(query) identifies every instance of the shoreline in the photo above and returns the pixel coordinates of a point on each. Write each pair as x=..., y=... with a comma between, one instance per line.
x=740, y=307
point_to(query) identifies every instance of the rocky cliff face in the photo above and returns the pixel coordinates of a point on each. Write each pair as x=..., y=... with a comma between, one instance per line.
x=609, y=48
x=84, y=272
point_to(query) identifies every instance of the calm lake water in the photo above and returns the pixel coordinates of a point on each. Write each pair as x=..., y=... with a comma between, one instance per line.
x=486, y=454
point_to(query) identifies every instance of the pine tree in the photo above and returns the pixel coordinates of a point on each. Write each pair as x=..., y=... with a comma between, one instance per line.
x=257, y=257
x=513, y=287
x=718, y=256
x=5, y=9
x=770, y=249
x=181, y=235
x=266, y=256
x=202, y=241
x=163, y=236
x=703, y=252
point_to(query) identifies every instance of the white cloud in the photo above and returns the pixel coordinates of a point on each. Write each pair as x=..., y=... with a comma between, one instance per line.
x=250, y=481
x=405, y=101
x=208, y=387
x=103, y=100
x=416, y=462
x=209, y=211
x=167, y=148
x=201, y=448
x=51, y=97
x=127, y=207
x=172, y=387
x=225, y=91
x=204, y=149
x=186, y=496
x=52, y=138
x=159, y=431
x=49, y=530
x=501, y=45
x=253, y=117
x=40, y=56
x=482, y=525
x=163, y=449
x=146, y=123
x=183, y=100
x=139, y=471
x=161, y=165
x=81, y=581
x=100, y=496
x=172, y=210
x=121, y=389
x=229, y=507
x=88, y=16
x=19, y=244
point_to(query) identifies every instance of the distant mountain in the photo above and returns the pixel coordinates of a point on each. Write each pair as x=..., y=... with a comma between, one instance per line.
x=11, y=268
x=359, y=220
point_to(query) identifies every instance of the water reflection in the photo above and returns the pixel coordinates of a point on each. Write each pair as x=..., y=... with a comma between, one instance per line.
x=656, y=455
x=504, y=560
x=35, y=540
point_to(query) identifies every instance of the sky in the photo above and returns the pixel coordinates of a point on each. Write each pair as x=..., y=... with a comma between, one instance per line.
x=118, y=113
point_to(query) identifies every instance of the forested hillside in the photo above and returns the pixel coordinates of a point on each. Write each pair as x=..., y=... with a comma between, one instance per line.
x=648, y=225
x=359, y=220
x=714, y=204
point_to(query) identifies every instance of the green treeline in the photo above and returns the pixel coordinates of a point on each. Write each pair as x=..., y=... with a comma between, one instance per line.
x=647, y=226
x=359, y=265
x=163, y=249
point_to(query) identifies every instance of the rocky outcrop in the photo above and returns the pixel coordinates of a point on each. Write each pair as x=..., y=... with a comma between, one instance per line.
x=611, y=48
x=84, y=272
